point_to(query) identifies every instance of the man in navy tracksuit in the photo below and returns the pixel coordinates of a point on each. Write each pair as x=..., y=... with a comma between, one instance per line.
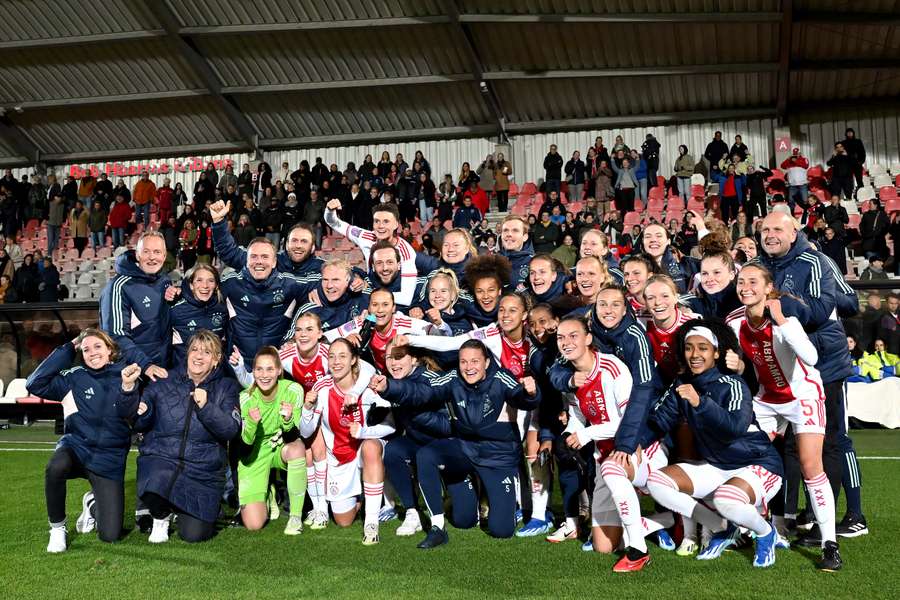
x=335, y=303
x=133, y=310
x=261, y=301
x=517, y=247
x=482, y=399
x=801, y=270
x=298, y=257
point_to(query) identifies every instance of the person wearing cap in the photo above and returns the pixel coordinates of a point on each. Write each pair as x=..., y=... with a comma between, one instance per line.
x=795, y=167
x=739, y=468
x=875, y=270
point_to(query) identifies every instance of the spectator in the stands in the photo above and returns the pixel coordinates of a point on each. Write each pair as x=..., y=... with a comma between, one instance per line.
x=56, y=216
x=467, y=216
x=228, y=178
x=37, y=200
x=875, y=271
x=97, y=225
x=188, y=240
x=7, y=292
x=78, y=226
x=603, y=185
x=650, y=155
x=842, y=171
x=485, y=172
x=756, y=185
x=49, y=286
x=466, y=177
x=626, y=183
x=835, y=248
x=835, y=215
x=479, y=197
x=619, y=146
x=879, y=363
x=119, y=217
x=86, y=187
x=553, y=165
x=575, y=176
x=262, y=183
x=244, y=232
x=245, y=180
x=640, y=172
x=143, y=195
x=857, y=153
x=27, y=281
x=739, y=148
x=164, y=200
x=313, y=214
x=121, y=190
x=7, y=268
x=873, y=227
x=544, y=235
x=70, y=192
x=502, y=173
x=271, y=219
x=715, y=151
x=795, y=167
x=684, y=168
x=566, y=253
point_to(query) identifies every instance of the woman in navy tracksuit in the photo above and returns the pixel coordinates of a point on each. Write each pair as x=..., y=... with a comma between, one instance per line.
x=199, y=307
x=657, y=243
x=187, y=419
x=717, y=294
x=740, y=469
x=480, y=396
x=419, y=427
x=97, y=433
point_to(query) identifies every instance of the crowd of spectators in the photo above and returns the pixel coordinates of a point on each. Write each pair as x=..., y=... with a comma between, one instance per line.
x=597, y=192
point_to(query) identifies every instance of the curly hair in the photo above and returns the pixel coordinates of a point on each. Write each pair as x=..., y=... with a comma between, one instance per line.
x=727, y=341
x=488, y=266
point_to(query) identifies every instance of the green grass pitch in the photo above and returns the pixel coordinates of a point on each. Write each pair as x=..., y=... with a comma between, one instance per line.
x=332, y=563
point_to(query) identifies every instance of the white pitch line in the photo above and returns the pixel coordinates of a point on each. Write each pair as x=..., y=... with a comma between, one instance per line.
x=878, y=458
x=23, y=442
x=39, y=450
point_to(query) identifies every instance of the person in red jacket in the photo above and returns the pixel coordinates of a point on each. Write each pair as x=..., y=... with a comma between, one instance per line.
x=164, y=197
x=119, y=217
x=479, y=198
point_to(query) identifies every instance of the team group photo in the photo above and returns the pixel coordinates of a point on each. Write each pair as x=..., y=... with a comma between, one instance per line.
x=401, y=299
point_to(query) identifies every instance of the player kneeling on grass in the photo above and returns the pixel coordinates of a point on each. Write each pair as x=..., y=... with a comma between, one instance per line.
x=188, y=420
x=790, y=388
x=603, y=386
x=740, y=468
x=98, y=435
x=483, y=400
x=341, y=403
x=270, y=410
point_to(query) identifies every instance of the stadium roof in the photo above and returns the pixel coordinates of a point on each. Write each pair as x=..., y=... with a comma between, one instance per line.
x=93, y=79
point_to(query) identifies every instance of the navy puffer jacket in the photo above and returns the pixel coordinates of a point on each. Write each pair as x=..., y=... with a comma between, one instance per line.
x=96, y=415
x=183, y=457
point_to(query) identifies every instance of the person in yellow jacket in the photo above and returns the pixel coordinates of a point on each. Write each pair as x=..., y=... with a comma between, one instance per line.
x=879, y=363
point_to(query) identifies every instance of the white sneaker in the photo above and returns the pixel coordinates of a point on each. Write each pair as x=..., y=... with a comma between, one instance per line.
x=57, y=541
x=85, y=522
x=274, y=510
x=688, y=547
x=412, y=524
x=564, y=533
x=320, y=520
x=370, y=534
x=160, y=532
x=294, y=526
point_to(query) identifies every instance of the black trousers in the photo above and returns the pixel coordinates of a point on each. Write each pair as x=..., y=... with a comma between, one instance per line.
x=842, y=185
x=625, y=200
x=190, y=529
x=502, y=200
x=109, y=494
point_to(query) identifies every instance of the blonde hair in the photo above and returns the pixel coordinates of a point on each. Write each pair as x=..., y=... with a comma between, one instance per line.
x=339, y=263
x=450, y=276
x=470, y=245
x=663, y=279
x=209, y=340
x=104, y=337
x=518, y=218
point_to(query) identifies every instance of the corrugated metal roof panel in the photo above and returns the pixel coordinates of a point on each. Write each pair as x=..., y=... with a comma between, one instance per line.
x=199, y=13
x=858, y=6
x=838, y=41
x=353, y=110
x=164, y=123
x=844, y=84
x=315, y=56
x=143, y=66
x=512, y=47
x=49, y=19
x=537, y=100
x=576, y=7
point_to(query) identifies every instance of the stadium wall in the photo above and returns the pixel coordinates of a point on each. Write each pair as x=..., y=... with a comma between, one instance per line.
x=814, y=135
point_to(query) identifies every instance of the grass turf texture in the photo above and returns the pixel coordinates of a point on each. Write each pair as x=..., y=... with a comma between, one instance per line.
x=332, y=563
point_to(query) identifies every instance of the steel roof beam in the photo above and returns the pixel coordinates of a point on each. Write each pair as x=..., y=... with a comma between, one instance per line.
x=352, y=139
x=784, y=60
x=81, y=40
x=637, y=18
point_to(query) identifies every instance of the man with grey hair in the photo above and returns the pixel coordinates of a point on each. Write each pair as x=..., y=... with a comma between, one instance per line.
x=133, y=310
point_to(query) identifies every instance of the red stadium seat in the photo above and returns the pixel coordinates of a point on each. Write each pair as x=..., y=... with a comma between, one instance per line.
x=674, y=214
x=697, y=190
x=656, y=192
x=638, y=205
x=513, y=190
x=892, y=204
x=655, y=204
x=697, y=205
x=675, y=203
x=887, y=193
x=631, y=219
x=854, y=221
x=815, y=172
